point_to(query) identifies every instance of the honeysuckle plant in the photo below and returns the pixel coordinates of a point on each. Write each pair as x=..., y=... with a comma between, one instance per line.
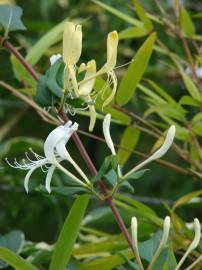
x=67, y=87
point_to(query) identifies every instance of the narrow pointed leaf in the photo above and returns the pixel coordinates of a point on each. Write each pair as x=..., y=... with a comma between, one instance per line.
x=15, y=260
x=142, y=15
x=186, y=23
x=129, y=140
x=135, y=71
x=68, y=235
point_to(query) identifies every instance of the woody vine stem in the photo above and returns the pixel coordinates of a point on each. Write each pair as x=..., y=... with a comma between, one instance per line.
x=79, y=145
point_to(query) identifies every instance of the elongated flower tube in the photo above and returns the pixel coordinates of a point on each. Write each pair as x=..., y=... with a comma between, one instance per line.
x=194, y=243
x=52, y=159
x=158, y=154
x=134, y=231
x=164, y=239
x=108, y=139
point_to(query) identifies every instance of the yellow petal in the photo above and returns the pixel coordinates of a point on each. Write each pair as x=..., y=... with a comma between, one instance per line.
x=86, y=88
x=72, y=43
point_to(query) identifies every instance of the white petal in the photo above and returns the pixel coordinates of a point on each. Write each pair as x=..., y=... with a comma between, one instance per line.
x=54, y=58
x=49, y=177
x=27, y=177
x=106, y=131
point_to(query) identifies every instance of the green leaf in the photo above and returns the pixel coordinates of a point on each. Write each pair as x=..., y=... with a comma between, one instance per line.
x=143, y=16
x=55, y=78
x=135, y=71
x=68, y=235
x=111, y=177
x=15, y=260
x=107, y=263
x=186, y=199
x=197, y=128
x=10, y=18
x=118, y=13
x=43, y=95
x=191, y=87
x=129, y=140
x=49, y=39
x=187, y=100
x=21, y=73
x=14, y=241
x=133, y=32
x=108, y=163
x=63, y=190
x=126, y=186
x=138, y=174
x=187, y=25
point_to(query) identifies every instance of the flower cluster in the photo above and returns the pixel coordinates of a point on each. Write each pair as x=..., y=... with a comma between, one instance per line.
x=163, y=243
x=55, y=152
x=72, y=48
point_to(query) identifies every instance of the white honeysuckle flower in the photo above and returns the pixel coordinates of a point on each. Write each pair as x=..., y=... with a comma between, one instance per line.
x=163, y=242
x=72, y=43
x=54, y=154
x=194, y=243
x=54, y=58
x=134, y=232
x=159, y=153
x=108, y=139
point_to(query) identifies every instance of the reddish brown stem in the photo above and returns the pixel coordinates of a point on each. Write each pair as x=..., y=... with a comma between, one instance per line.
x=79, y=145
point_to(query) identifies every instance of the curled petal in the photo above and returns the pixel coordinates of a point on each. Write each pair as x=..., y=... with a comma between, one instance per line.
x=113, y=77
x=27, y=177
x=72, y=43
x=106, y=131
x=49, y=177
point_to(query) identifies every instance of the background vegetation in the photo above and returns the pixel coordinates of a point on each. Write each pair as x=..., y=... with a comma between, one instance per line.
x=170, y=92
